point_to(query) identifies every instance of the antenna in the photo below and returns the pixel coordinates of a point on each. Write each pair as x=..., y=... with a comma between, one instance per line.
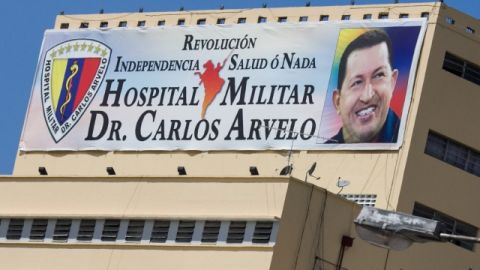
x=341, y=183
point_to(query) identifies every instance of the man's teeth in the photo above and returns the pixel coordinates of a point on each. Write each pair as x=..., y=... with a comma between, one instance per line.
x=366, y=111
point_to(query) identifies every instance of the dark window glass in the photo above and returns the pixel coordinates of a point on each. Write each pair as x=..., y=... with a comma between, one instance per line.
x=470, y=30
x=452, y=225
x=367, y=16
x=282, y=19
x=383, y=16
x=122, y=24
x=236, y=231
x=185, y=231
x=85, y=232
x=140, y=23
x=211, y=230
x=103, y=24
x=161, y=22
x=135, y=230
x=436, y=146
x=64, y=26
x=263, y=230
x=403, y=15
x=160, y=231
x=323, y=18
x=453, y=64
x=181, y=22
x=262, y=19
x=425, y=15
x=84, y=25
x=201, y=21
x=242, y=20
x=221, y=21
x=345, y=17
x=39, y=228
x=15, y=228
x=303, y=19
x=62, y=229
x=110, y=230
x=450, y=20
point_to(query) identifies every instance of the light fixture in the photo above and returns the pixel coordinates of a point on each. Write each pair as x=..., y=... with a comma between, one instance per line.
x=287, y=170
x=222, y=7
x=253, y=170
x=101, y=11
x=395, y=230
x=181, y=8
x=111, y=171
x=42, y=171
x=140, y=10
x=307, y=4
x=264, y=5
x=181, y=170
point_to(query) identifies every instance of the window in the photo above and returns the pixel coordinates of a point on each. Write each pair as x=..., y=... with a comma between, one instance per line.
x=469, y=30
x=383, y=15
x=185, y=231
x=361, y=199
x=210, y=231
x=323, y=18
x=262, y=19
x=236, y=231
x=84, y=25
x=135, y=230
x=450, y=20
x=201, y=21
x=221, y=21
x=367, y=16
x=425, y=15
x=181, y=22
x=453, y=153
x=38, y=230
x=161, y=22
x=160, y=231
x=85, y=232
x=110, y=230
x=122, y=24
x=403, y=15
x=303, y=19
x=462, y=68
x=452, y=225
x=15, y=228
x=103, y=24
x=345, y=17
x=140, y=23
x=64, y=26
x=242, y=20
x=263, y=230
x=282, y=19
x=62, y=230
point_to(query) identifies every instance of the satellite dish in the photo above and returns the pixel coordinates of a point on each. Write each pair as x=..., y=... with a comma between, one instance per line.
x=341, y=183
x=312, y=169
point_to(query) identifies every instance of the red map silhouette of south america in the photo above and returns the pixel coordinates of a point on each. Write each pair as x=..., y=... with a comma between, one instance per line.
x=212, y=83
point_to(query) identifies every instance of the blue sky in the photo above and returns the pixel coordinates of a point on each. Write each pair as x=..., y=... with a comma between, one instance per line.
x=25, y=21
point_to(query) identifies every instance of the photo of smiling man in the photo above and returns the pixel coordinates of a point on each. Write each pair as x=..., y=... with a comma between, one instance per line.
x=367, y=89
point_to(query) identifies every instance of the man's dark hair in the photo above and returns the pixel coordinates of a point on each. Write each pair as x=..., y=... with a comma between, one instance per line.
x=365, y=40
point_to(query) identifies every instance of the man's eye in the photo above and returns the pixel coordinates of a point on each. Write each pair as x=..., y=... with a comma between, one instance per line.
x=379, y=75
x=356, y=83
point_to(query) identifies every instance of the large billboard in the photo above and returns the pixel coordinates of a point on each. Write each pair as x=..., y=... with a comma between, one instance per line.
x=308, y=86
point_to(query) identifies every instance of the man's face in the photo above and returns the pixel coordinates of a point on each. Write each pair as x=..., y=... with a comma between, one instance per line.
x=364, y=99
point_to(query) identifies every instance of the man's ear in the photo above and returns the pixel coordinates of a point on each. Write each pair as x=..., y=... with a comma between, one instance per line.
x=336, y=100
x=394, y=78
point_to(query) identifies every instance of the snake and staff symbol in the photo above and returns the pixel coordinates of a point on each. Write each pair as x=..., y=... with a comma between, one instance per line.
x=212, y=82
x=68, y=87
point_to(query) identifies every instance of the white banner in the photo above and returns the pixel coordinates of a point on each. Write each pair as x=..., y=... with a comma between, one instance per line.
x=312, y=86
